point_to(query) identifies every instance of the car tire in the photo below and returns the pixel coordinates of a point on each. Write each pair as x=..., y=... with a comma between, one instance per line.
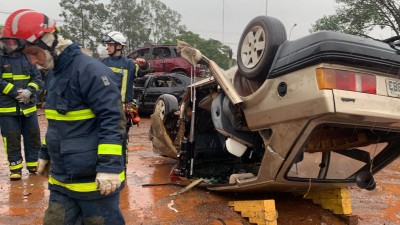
x=258, y=45
x=166, y=105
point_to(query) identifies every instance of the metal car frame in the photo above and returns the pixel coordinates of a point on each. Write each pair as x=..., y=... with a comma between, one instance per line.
x=288, y=127
x=147, y=89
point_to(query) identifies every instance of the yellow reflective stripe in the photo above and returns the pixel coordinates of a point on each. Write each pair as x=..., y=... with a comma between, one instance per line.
x=8, y=110
x=29, y=110
x=136, y=70
x=16, y=76
x=123, y=85
x=21, y=77
x=7, y=75
x=31, y=84
x=31, y=164
x=116, y=70
x=81, y=187
x=5, y=146
x=109, y=149
x=8, y=88
x=77, y=187
x=44, y=141
x=83, y=114
x=18, y=166
x=125, y=72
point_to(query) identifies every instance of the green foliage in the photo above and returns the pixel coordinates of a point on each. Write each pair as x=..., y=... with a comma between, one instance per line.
x=144, y=22
x=141, y=21
x=211, y=48
x=164, y=23
x=126, y=17
x=360, y=17
x=83, y=21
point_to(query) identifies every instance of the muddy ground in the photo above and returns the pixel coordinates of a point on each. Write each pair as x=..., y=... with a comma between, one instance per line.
x=24, y=201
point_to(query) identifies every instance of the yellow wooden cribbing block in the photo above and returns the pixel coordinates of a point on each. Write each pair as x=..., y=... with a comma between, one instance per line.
x=261, y=212
x=336, y=200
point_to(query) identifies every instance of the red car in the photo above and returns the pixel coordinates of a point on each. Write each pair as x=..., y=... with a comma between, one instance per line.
x=165, y=58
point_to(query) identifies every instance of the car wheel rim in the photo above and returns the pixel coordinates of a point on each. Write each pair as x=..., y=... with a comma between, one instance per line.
x=253, y=47
x=160, y=107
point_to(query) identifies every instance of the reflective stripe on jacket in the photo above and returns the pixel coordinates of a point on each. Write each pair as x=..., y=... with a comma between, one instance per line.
x=122, y=66
x=17, y=73
x=86, y=124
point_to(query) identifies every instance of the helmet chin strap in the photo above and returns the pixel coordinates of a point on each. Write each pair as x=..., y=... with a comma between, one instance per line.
x=116, y=50
x=51, y=49
x=49, y=64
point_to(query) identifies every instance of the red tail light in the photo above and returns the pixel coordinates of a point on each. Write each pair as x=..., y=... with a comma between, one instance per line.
x=345, y=80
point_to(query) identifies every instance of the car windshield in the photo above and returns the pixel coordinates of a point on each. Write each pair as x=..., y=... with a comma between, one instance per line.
x=140, y=82
x=141, y=53
x=331, y=149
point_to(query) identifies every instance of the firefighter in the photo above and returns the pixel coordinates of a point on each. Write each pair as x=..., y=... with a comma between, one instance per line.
x=86, y=124
x=125, y=71
x=19, y=84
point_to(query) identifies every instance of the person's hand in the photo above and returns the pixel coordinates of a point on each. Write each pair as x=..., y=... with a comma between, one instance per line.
x=107, y=183
x=141, y=62
x=23, y=95
x=43, y=168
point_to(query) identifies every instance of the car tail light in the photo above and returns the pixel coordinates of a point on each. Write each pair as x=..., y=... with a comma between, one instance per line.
x=345, y=80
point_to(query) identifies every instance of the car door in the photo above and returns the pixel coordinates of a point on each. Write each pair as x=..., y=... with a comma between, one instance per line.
x=164, y=58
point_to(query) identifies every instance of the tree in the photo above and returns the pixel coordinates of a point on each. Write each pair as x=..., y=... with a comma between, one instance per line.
x=83, y=21
x=211, y=48
x=360, y=17
x=144, y=22
x=126, y=17
x=164, y=22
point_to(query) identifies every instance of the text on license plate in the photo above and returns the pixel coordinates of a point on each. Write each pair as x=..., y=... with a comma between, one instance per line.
x=393, y=87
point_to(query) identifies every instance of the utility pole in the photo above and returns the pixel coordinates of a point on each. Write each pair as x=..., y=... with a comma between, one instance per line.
x=223, y=21
x=82, y=24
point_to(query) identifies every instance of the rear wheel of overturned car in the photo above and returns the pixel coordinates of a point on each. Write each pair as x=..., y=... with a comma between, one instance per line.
x=165, y=106
x=258, y=45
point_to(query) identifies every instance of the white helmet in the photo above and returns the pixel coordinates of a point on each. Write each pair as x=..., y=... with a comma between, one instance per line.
x=114, y=37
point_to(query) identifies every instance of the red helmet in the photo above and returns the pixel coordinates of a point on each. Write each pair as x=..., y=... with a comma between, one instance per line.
x=28, y=25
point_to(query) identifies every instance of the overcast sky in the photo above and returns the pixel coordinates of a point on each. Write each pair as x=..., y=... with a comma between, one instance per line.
x=223, y=20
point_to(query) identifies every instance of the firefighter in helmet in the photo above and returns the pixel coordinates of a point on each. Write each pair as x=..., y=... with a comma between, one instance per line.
x=19, y=84
x=86, y=125
x=125, y=71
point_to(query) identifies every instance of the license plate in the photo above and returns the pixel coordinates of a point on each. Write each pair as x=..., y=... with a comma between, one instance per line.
x=393, y=87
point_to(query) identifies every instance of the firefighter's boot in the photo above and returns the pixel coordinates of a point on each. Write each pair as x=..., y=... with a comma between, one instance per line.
x=15, y=176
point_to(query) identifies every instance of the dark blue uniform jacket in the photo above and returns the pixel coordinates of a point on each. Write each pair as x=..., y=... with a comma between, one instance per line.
x=86, y=124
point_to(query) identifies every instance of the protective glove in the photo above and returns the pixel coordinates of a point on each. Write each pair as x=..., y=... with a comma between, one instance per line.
x=23, y=95
x=141, y=62
x=43, y=166
x=107, y=183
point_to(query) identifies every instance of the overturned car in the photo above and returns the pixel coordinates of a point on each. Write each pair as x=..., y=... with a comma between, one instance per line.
x=318, y=112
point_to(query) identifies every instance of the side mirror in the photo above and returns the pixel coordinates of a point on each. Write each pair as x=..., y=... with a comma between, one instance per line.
x=365, y=180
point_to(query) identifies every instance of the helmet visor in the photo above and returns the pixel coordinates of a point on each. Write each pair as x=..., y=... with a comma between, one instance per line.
x=10, y=45
x=107, y=39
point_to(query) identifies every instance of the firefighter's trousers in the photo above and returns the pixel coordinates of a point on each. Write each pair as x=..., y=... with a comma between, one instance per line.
x=65, y=210
x=12, y=127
